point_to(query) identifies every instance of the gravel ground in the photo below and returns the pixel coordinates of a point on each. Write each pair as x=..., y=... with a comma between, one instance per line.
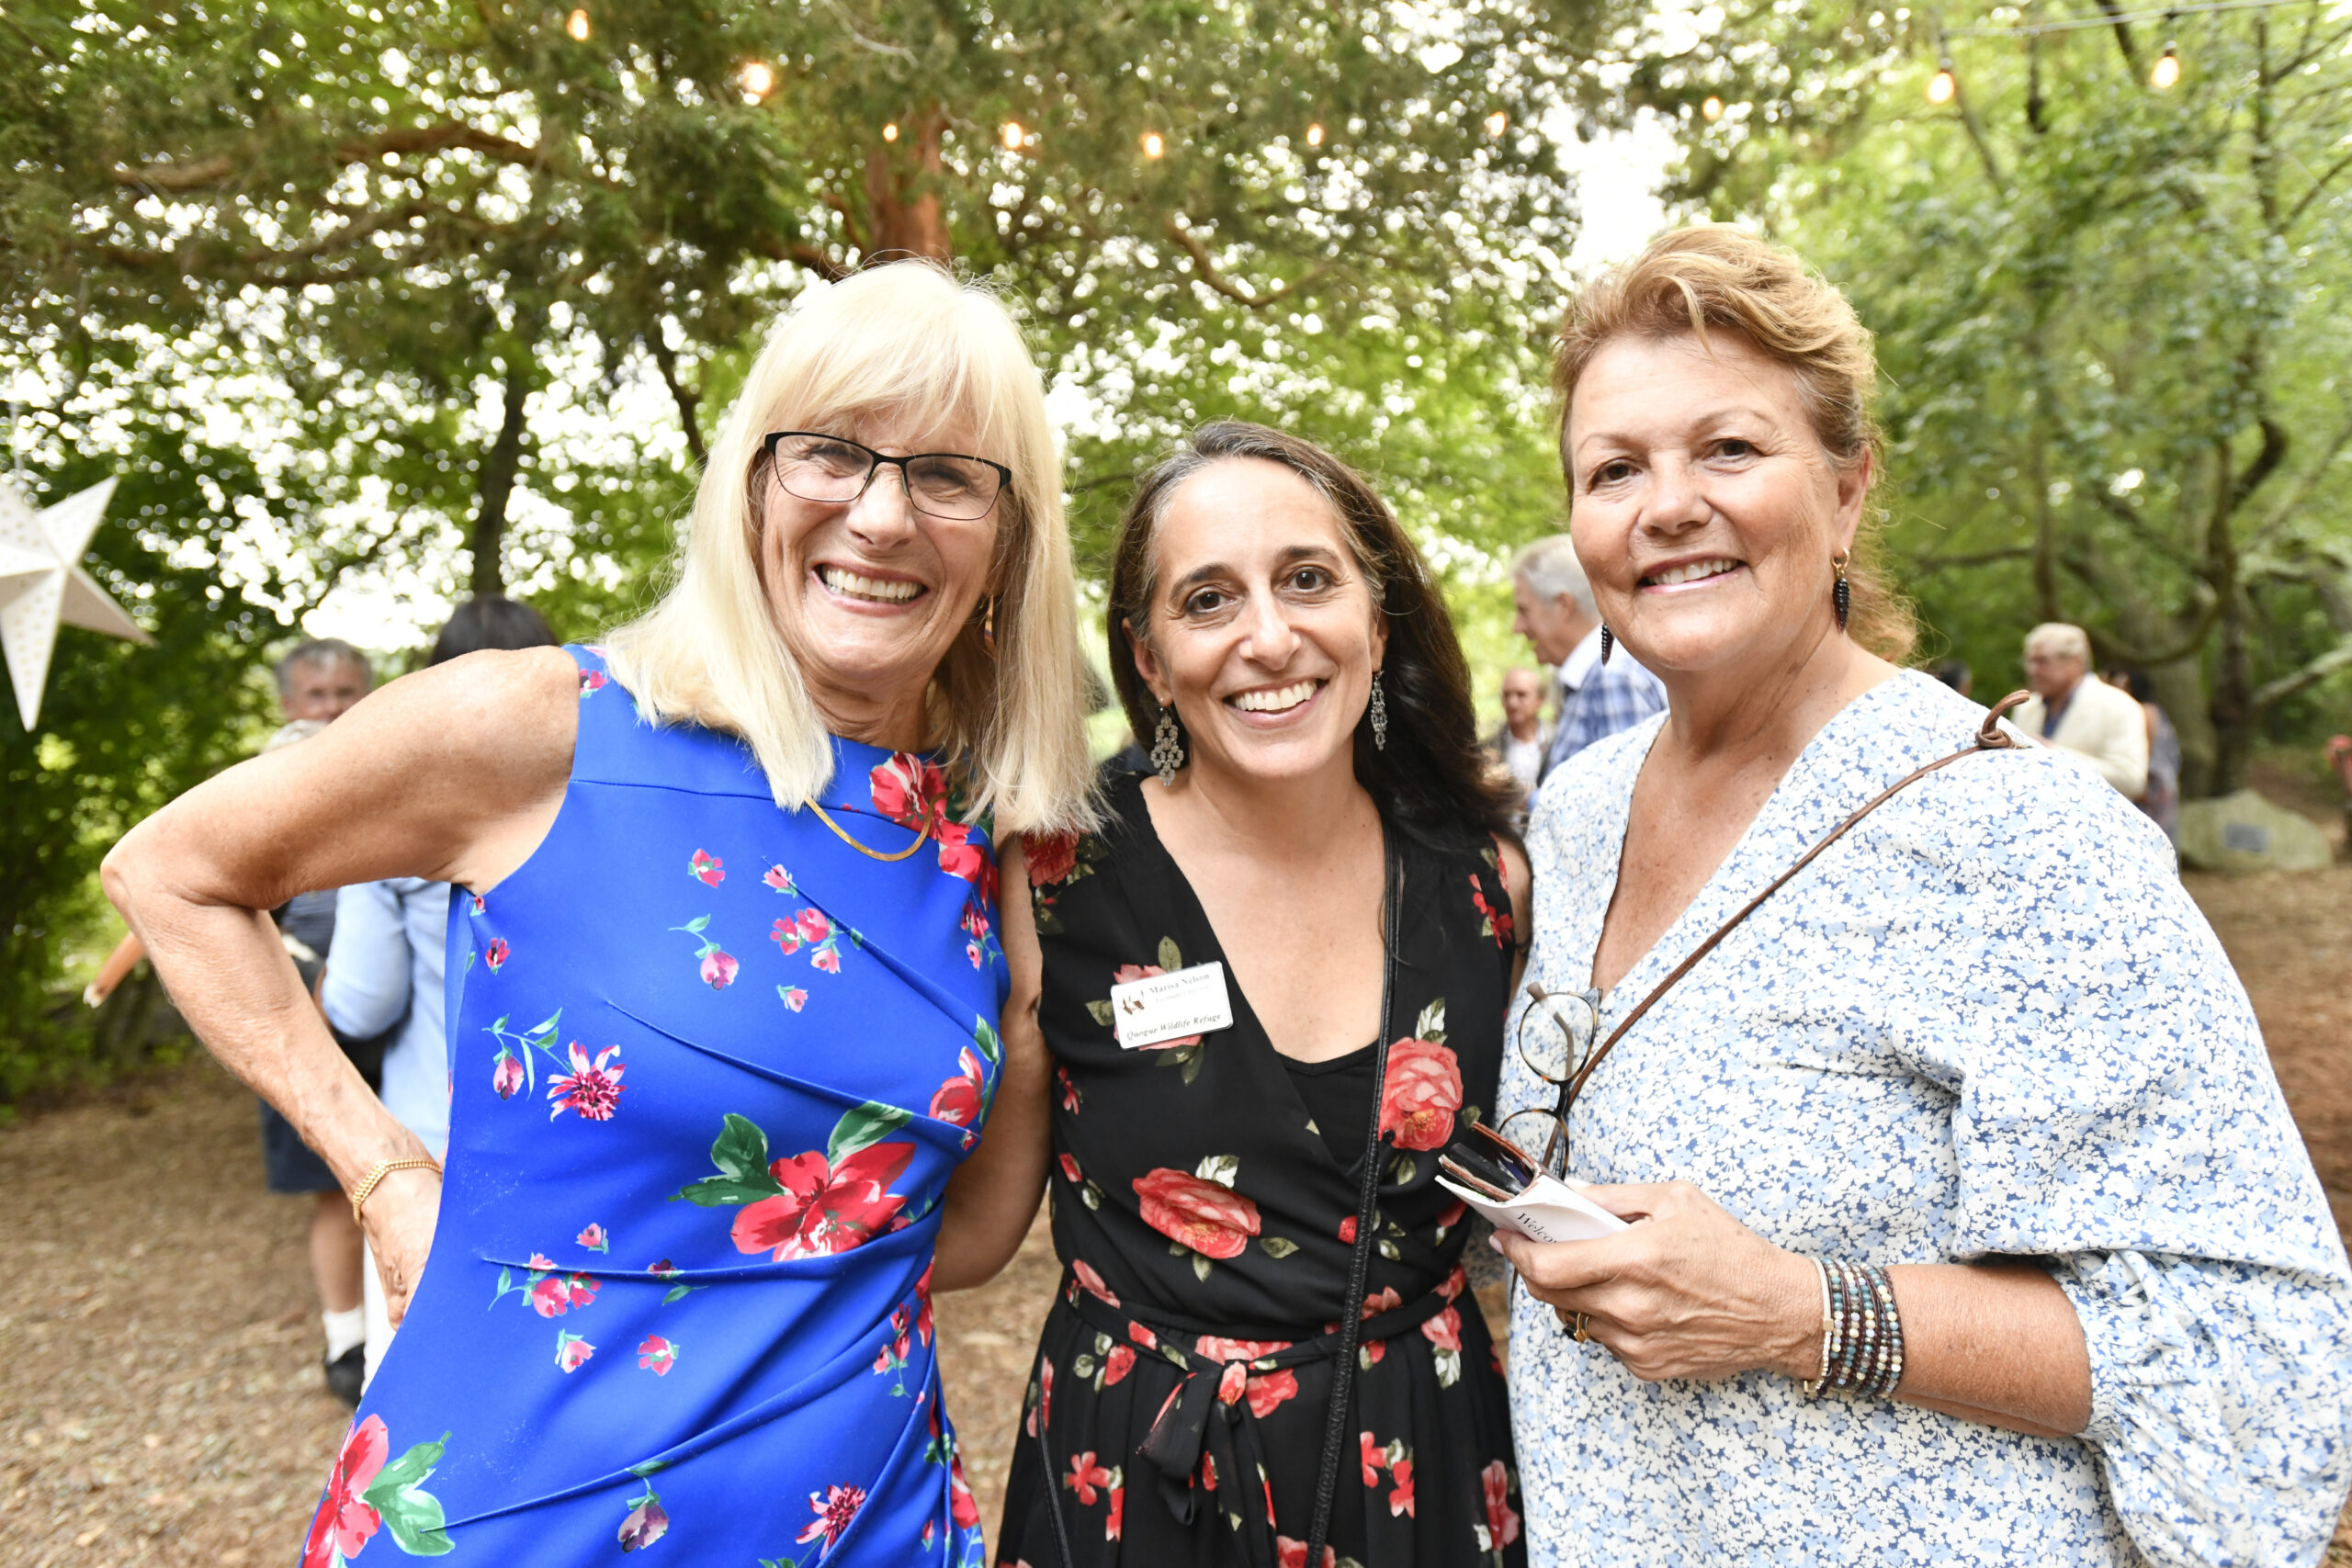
x=160, y=1399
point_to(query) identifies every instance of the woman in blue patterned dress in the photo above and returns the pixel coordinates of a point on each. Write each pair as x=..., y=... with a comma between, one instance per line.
x=1982, y=1053
x=725, y=979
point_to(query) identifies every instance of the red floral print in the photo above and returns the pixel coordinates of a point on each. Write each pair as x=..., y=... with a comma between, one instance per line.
x=780, y=879
x=1374, y=1457
x=836, y=1508
x=1217, y=1347
x=1455, y=1283
x=345, y=1522
x=1451, y=1216
x=1348, y=1231
x=824, y=1209
x=960, y=1501
x=1268, y=1390
x=1095, y=1285
x=1289, y=1553
x=922, y=1299
x=1070, y=1168
x=1232, y=1382
x=1126, y=972
x=1049, y=858
x=1424, y=1091
x=1208, y=1470
x=912, y=792
x=1211, y=1219
x=1400, y=1471
x=1085, y=1475
x=594, y=1090
x=1444, y=1330
x=571, y=1351
x=718, y=969
x=646, y=1523
x=957, y=1102
x=1143, y=1337
x=594, y=1239
x=1112, y=1521
x=1117, y=1363
x=1072, y=1100
x=794, y=997
x=657, y=1355
x=496, y=953
x=706, y=869
x=1502, y=1524
x=591, y=681
x=506, y=1076
x=1497, y=923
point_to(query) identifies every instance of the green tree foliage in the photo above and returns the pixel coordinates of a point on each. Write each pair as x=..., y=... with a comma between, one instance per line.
x=2109, y=316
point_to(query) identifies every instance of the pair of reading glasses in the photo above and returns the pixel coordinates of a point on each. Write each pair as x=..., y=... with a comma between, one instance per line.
x=832, y=470
x=1555, y=1037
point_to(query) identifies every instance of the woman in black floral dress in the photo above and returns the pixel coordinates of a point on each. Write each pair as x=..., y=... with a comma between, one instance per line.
x=1276, y=634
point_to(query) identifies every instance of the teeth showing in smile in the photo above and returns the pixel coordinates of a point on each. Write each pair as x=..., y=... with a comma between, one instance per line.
x=880, y=590
x=1281, y=699
x=1689, y=573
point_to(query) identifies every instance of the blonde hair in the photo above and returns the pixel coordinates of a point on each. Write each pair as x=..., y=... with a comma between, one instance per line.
x=1712, y=275
x=905, y=339
x=2060, y=637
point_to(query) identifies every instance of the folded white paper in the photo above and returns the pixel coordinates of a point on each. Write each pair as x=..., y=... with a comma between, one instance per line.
x=1551, y=1210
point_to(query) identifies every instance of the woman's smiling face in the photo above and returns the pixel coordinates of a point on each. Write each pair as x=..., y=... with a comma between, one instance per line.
x=1704, y=505
x=869, y=594
x=1263, y=632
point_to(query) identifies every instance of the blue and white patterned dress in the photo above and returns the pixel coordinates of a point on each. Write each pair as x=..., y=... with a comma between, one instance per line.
x=1988, y=1022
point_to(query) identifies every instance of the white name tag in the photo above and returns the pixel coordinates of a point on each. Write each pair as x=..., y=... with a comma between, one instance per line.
x=1169, y=1007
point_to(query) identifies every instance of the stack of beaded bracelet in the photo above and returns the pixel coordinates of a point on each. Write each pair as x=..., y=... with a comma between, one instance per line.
x=1862, y=1334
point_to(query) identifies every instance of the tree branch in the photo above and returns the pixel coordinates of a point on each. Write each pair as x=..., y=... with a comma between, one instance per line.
x=2266, y=463
x=1988, y=558
x=2271, y=693
x=666, y=362
x=1206, y=271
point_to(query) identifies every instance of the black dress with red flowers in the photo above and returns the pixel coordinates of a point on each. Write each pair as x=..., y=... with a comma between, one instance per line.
x=1206, y=1226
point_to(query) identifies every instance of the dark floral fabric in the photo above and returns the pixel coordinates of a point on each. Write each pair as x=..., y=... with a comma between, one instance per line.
x=1176, y=1411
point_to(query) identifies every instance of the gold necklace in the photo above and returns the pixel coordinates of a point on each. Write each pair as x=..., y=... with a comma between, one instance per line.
x=921, y=834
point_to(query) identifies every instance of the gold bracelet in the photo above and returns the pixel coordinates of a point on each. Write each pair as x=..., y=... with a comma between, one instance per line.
x=381, y=1169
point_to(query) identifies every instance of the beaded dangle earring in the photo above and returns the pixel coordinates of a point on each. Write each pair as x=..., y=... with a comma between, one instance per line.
x=1167, y=746
x=1842, y=594
x=1379, y=715
x=1607, y=642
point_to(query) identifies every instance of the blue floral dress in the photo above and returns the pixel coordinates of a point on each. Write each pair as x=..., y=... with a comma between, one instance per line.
x=712, y=1070
x=1989, y=1022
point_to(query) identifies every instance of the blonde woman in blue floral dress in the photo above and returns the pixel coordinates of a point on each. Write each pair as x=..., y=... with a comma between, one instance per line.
x=725, y=981
x=1972, y=1225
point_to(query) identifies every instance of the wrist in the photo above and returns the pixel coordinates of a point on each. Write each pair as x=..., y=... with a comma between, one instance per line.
x=1795, y=1335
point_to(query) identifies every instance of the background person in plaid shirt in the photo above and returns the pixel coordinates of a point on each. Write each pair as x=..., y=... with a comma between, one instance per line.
x=1556, y=614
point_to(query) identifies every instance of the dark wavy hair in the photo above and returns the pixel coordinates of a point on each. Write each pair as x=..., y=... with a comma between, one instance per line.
x=1432, y=779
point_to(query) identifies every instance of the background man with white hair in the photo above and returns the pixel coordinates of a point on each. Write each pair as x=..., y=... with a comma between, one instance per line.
x=2072, y=711
x=1556, y=613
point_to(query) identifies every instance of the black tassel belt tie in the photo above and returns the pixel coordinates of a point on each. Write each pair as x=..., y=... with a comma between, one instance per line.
x=1204, y=1443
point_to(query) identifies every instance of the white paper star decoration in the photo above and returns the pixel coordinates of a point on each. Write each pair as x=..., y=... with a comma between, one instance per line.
x=42, y=584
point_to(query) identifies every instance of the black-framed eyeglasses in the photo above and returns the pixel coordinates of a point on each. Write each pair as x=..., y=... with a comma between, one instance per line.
x=1555, y=1037
x=833, y=470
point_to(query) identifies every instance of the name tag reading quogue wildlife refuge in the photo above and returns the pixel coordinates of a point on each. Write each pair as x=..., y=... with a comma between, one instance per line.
x=1169, y=1007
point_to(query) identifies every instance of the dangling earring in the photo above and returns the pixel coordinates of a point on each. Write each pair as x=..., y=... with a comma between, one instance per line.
x=1841, y=595
x=1167, y=746
x=1608, y=643
x=1379, y=715
x=988, y=628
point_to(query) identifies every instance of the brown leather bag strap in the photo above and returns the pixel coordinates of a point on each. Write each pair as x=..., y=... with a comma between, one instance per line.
x=1989, y=738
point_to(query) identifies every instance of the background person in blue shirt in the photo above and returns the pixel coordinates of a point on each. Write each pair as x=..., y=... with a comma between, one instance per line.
x=386, y=968
x=1597, y=698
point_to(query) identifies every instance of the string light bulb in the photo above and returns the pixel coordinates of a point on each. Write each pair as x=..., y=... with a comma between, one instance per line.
x=1944, y=86
x=2166, y=71
x=1711, y=110
x=576, y=25
x=1012, y=135
x=891, y=131
x=1315, y=136
x=1152, y=144
x=757, y=79
x=1497, y=123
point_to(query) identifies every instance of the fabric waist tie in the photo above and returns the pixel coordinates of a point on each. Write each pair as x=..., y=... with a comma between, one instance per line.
x=1182, y=1432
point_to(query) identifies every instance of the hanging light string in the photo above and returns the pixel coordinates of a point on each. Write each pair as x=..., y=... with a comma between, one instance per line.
x=2078, y=24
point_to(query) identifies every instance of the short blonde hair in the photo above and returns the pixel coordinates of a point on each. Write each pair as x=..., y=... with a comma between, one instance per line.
x=906, y=338
x=1712, y=275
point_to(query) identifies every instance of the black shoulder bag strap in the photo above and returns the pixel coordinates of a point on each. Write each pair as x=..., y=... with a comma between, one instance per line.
x=1376, y=1150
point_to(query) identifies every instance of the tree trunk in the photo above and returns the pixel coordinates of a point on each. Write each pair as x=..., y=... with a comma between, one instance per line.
x=904, y=217
x=501, y=466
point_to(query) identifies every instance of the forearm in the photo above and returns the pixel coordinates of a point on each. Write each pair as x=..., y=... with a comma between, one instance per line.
x=1991, y=1342
x=231, y=978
